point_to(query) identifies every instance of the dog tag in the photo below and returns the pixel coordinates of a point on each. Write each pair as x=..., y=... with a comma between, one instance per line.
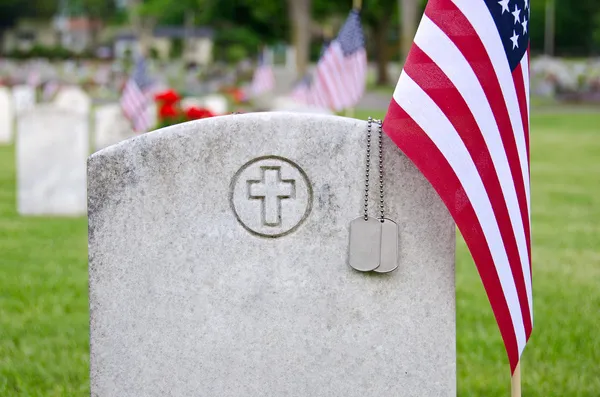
x=365, y=244
x=389, y=247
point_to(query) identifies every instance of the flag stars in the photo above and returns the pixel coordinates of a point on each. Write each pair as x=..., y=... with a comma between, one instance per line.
x=526, y=4
x=515, y=40
x=517, y=14
x=504, y=5
x=524, y=24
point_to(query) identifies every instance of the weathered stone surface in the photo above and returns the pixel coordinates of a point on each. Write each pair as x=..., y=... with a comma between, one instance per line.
x=52, y=148
x=218, y=266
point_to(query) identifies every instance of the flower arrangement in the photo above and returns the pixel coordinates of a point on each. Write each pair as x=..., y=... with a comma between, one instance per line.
x=170, y=111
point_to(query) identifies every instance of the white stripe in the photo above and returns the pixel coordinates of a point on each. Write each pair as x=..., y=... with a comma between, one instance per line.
x=526, y=268
x=480, y=17
x=330, y=74
x=434, y=42
x=424, y=111
x=525, y=68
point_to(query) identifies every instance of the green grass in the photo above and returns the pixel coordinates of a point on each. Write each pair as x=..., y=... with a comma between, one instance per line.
x=43, y=284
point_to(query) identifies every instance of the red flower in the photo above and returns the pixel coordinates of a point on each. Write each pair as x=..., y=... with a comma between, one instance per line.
x=194, y=113
x=167, y=111
x=167, y=97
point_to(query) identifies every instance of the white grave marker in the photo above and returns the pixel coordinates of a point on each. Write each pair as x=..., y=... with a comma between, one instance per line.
x=6, y=116
x=218, y=266
x=52, y=148
x=110, y=126
x=73, y=99
x=23, y=98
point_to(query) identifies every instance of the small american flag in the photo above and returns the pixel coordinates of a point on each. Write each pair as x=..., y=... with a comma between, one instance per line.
x=50, y=89
x=460, y=112
x=136, y=98
x=302, y=90
x=341, y=74
x=263, y=80
x=34, y=77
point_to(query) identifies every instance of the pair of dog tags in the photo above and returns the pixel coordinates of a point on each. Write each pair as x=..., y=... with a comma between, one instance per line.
x=373, y=242
x=373, y=245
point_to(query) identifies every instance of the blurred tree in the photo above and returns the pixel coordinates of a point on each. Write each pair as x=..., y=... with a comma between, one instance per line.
x=300, y=15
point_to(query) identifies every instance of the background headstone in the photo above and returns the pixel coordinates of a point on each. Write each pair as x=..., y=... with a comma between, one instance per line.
x=110, y=126
x=218, y=266
x=287, y=104
x=6, y=116
x=216, y=104
x=51, y=150
x=74, y=99
x=23, y=98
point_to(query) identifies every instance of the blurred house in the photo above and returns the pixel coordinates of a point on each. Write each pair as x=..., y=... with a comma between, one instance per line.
x=28, y=33
x=193, y=45
x=76, y=34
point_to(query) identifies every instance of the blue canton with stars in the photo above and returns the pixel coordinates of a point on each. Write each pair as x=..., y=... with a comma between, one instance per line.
x=512, y=21
x=351, y=37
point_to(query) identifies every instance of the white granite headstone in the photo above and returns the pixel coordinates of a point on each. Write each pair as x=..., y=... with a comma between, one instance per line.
x=52, y=148
x=286, y=104
x=6, y=116
x=23, y=98
x=110, y=126
x=216, y=104
x=218, y=266
x=74, y=99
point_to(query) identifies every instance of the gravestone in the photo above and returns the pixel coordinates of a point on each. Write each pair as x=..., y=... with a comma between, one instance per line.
x=110, y=126
x=217, y=104
x=23, y=98
x=74, y=99
x=287, y=104
x=218, y=266
x=52, y=148
x=6, y=116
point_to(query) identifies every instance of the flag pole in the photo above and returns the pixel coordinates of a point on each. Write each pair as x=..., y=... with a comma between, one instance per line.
x=357, y=5
x=515, y=384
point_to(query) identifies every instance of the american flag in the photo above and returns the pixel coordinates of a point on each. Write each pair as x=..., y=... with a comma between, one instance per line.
x=136, y=98
x=302, y=90
x=460, y=112
x=50, y=89
x=341, y=73
x=263, y=80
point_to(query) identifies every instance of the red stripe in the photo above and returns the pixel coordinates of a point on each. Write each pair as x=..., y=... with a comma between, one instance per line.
x=418, y=147
x=521, y=96
x=432, y=80
x=460, y=31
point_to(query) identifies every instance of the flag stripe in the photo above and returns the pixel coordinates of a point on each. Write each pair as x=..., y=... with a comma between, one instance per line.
x=477, y=15
x=459, y=30
x=431, y=39
x=448, y=98
x=414, y=142
x=413, y=100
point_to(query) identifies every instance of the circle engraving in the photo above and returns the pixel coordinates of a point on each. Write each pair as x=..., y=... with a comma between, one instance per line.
x=271, y=196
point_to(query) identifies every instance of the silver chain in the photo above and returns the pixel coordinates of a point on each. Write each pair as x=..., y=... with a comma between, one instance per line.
x=368, y=168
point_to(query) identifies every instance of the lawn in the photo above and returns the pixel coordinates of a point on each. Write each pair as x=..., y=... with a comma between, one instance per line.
x=43, y=284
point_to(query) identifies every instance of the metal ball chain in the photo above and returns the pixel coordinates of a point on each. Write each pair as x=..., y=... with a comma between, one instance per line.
x=369, y=123
x=381, y=201
x=380, y=170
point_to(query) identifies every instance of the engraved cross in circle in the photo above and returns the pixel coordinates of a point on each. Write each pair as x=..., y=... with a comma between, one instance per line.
x=271, y=190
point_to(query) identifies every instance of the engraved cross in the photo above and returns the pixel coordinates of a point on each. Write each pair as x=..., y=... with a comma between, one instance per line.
x=271, y=190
